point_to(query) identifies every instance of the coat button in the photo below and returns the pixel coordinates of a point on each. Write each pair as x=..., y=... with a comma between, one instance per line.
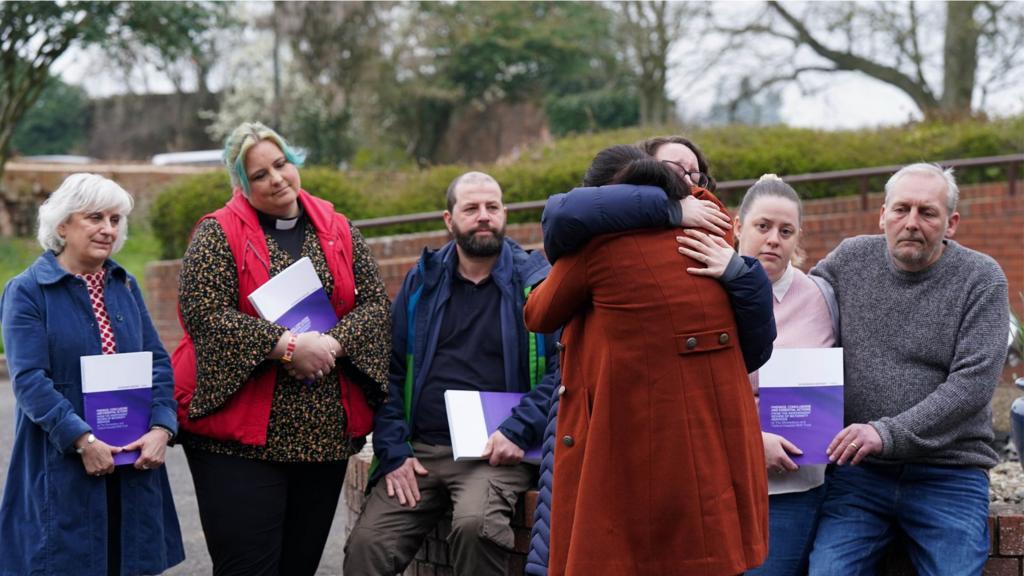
x=559, y=346
x=691, y=343
x=723, y=338
x=561, y=390
x=567, y=440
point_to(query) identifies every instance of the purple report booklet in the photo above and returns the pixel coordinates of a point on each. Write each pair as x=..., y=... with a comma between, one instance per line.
x=801, y=399
x=295, y=298
x=474, y=416
x=117, y=391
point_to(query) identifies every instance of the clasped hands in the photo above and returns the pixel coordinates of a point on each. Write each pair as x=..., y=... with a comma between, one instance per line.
x=705, y=225
x=314, y=354
x=98, y=456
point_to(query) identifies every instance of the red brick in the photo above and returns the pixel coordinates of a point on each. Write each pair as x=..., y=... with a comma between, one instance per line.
x=1011, y=535
x=522, y=540
x=997, y=566
x=422, y=569
x=529, y=507
x=993, y=532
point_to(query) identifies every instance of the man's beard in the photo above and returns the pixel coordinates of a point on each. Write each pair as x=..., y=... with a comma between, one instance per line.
x=479, y=246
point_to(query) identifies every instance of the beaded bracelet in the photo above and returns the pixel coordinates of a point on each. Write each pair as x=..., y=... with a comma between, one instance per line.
x=290, y=349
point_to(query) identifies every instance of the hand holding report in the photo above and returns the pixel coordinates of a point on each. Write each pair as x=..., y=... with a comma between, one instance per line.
x=472, y=418
x=118, y=392
x=295, y=299
x=801, y=399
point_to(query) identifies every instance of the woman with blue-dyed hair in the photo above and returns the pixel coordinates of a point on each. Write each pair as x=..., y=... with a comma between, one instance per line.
x=269, y=415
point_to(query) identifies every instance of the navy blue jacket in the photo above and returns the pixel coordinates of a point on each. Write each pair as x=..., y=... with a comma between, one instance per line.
x=570, y=220
x=53, y=519
x=428, y=288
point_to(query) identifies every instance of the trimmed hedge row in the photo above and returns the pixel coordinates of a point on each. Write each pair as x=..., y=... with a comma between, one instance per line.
x=735, y=152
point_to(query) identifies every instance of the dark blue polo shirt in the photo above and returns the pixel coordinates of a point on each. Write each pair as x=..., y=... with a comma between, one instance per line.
x=469, y=354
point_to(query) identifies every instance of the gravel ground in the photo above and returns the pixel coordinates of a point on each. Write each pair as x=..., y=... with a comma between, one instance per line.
x=1007, y=479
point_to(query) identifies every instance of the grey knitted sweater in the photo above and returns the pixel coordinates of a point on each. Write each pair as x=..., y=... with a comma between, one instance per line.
x=923, y=351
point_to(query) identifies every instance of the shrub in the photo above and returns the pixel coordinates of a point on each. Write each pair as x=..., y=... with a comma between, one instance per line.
x=735, y=153
x=178, y=207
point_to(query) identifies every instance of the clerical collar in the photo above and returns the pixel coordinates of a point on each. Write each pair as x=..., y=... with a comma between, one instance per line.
x=275, y=223
x=282, y=224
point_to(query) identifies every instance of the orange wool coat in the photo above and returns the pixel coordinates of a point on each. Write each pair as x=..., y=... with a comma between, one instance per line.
x=659, y=466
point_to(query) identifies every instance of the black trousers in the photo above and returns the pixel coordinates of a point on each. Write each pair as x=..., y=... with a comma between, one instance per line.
x=265, y=518
x=114, y=524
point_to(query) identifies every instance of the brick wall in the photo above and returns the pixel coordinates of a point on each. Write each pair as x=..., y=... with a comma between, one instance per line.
x=992, y=222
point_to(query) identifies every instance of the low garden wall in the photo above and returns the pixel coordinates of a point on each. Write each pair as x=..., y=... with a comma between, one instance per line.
x=991, y=221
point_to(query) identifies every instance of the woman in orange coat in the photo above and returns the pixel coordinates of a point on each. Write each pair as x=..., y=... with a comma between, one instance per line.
x=659, y=467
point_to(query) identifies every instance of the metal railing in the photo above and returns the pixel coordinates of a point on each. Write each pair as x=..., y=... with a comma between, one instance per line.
x=1012, y=162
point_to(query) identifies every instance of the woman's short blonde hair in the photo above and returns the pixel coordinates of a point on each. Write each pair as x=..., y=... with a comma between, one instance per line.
x=79, y=193
x=244, y=137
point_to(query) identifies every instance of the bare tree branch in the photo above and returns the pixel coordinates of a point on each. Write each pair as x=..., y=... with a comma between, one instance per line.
x=921, y=94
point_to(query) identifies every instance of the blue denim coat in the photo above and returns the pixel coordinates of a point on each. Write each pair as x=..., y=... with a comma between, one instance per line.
x=53, y=516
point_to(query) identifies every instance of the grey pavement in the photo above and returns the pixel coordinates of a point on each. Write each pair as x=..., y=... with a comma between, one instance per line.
x=197, y=560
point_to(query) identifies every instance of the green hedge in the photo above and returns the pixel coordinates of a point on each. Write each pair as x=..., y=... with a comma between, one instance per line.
x=735, y=153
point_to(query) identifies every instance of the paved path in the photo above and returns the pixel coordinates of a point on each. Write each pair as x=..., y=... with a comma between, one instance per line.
x=197, y=560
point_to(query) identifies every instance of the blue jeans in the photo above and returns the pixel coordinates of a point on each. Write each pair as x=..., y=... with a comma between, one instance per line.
x=792, y=520
x=942, y=511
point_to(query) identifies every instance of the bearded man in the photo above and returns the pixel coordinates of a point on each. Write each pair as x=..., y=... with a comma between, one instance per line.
x=923, y=326
x=457, y=325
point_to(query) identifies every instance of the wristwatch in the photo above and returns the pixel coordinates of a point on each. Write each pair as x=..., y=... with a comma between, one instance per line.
x=88, y=440
x=170, y=435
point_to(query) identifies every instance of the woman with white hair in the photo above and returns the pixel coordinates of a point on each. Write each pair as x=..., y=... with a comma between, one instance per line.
x=270, y=416
x=66, y=508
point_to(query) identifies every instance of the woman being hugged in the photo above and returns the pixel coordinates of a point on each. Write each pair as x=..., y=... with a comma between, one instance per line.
x=659, y=467
x=806, y=316
x=270, y=417
x=66, y=508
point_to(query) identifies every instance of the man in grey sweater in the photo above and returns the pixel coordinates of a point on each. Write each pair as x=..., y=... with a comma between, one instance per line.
x=923, y=326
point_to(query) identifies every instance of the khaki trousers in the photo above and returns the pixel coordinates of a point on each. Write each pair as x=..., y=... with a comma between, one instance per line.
x=482, y=499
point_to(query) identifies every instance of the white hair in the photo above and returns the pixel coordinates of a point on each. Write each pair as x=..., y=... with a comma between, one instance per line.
x=82, y=193
x=928, y=169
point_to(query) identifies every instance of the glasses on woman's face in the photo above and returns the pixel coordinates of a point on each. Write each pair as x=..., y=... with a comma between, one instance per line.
x=696, y=177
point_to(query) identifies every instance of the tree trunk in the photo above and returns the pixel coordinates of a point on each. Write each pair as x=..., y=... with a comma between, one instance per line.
x=961, y=59
x=6, y=221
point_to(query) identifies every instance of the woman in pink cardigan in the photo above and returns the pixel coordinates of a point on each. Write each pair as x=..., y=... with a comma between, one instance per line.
x=806, y=316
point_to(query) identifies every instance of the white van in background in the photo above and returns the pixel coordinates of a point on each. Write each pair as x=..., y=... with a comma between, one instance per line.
x=191, y=158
